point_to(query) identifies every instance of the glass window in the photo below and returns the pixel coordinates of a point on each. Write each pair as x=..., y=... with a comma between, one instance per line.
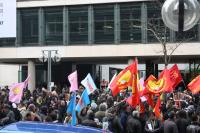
x=78, y=24
x=7, y=42
x=130, y=15
x=188, y=36
x=104, y=23
x=29, y=26
x=54, y=26
x=155, y=24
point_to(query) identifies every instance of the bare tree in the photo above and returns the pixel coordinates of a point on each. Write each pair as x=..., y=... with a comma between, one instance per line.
x=156, y=26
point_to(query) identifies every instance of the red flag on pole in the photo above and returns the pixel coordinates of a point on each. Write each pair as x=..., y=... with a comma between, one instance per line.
x=175, y=75
x=122, y=80
x=194, y=85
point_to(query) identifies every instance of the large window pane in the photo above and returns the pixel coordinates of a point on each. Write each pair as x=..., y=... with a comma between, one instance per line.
x=155, y=24
x=29, y=27
x=130, y=15
x=104, y=23
x=54, y=26
x=7, y=42
x=188, y=36
x=78, y=24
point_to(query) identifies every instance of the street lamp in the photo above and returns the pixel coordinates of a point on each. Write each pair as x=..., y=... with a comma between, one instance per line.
x=47, y=55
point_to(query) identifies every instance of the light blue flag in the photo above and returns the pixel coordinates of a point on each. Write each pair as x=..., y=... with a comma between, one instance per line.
x=83, y=101
x=89, y=84
x=71, y=108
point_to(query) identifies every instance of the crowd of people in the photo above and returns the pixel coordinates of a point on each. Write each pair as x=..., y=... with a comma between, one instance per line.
x=180, y=110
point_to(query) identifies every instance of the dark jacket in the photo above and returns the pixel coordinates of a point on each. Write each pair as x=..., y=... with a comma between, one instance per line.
x=170, y=127
x=133, y=125
x=90, y=123
x=182, y=125
x=194, y=127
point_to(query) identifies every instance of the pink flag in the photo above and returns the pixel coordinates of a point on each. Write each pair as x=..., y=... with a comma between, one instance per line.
x=16, y=92
x=73, y=79
x=26, y=81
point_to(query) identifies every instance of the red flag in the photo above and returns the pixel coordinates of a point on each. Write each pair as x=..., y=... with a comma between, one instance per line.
x=122, y=80
x=167, y=85
x=194, y=85
x=163, y=84
x=150, y=101
x=156, y=109
x=135, y=84
x=175, y=75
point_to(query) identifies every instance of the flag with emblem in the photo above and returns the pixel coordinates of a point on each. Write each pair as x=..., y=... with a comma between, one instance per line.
x=89, y=84
x=16, y=92
x=194, y=85
x=175, y=75
x=122, y=80
x=73, y=79
x=157, y=86
x=83, y=101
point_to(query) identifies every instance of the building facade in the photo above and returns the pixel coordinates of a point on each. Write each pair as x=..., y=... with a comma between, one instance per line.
x=90, y=32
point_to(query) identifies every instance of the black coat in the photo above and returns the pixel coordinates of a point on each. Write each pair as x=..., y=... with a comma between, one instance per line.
x=133, y=125
x=182, y=125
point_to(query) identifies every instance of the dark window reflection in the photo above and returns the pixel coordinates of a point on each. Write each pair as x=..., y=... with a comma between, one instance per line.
x=104, y=23
x=156, y=28
x=78, y=25
x=29, y=27
x=54, y=26
x=130, y=15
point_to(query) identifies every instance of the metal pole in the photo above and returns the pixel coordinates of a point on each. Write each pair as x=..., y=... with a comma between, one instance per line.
x=49, y=71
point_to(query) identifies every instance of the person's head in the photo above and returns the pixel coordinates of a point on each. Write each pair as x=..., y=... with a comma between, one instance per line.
x=135, y=114
x=84, y=111
x=28, y=117
x=32, y=108
x=6, y=108
x=171, y=115
x=194, y=118
x=182, y=114
x=90, y=115
x=102, y=107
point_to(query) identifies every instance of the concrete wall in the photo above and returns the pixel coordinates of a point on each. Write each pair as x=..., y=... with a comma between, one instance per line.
x=125, y=50
x=8, y=74
x=44, y=3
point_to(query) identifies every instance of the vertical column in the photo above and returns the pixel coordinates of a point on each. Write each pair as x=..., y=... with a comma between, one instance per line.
x=156, y=70
x=90, y=24
x=151, y=68
x=49, y=71
x=172, y=36
x=94, y=71
x=31, y=72
x=41, y=27
x=65, y=26
x=19, y=29
x=144, y=22
x=117, y=23
x=199, y=30
x=73, y=67
x=130, y=61
x=20, y=74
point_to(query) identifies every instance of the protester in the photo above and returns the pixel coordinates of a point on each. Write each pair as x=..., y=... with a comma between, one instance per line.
x=180, y=112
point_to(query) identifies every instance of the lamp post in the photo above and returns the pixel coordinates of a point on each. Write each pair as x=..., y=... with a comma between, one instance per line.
x=180, y=15
x=47, y=56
